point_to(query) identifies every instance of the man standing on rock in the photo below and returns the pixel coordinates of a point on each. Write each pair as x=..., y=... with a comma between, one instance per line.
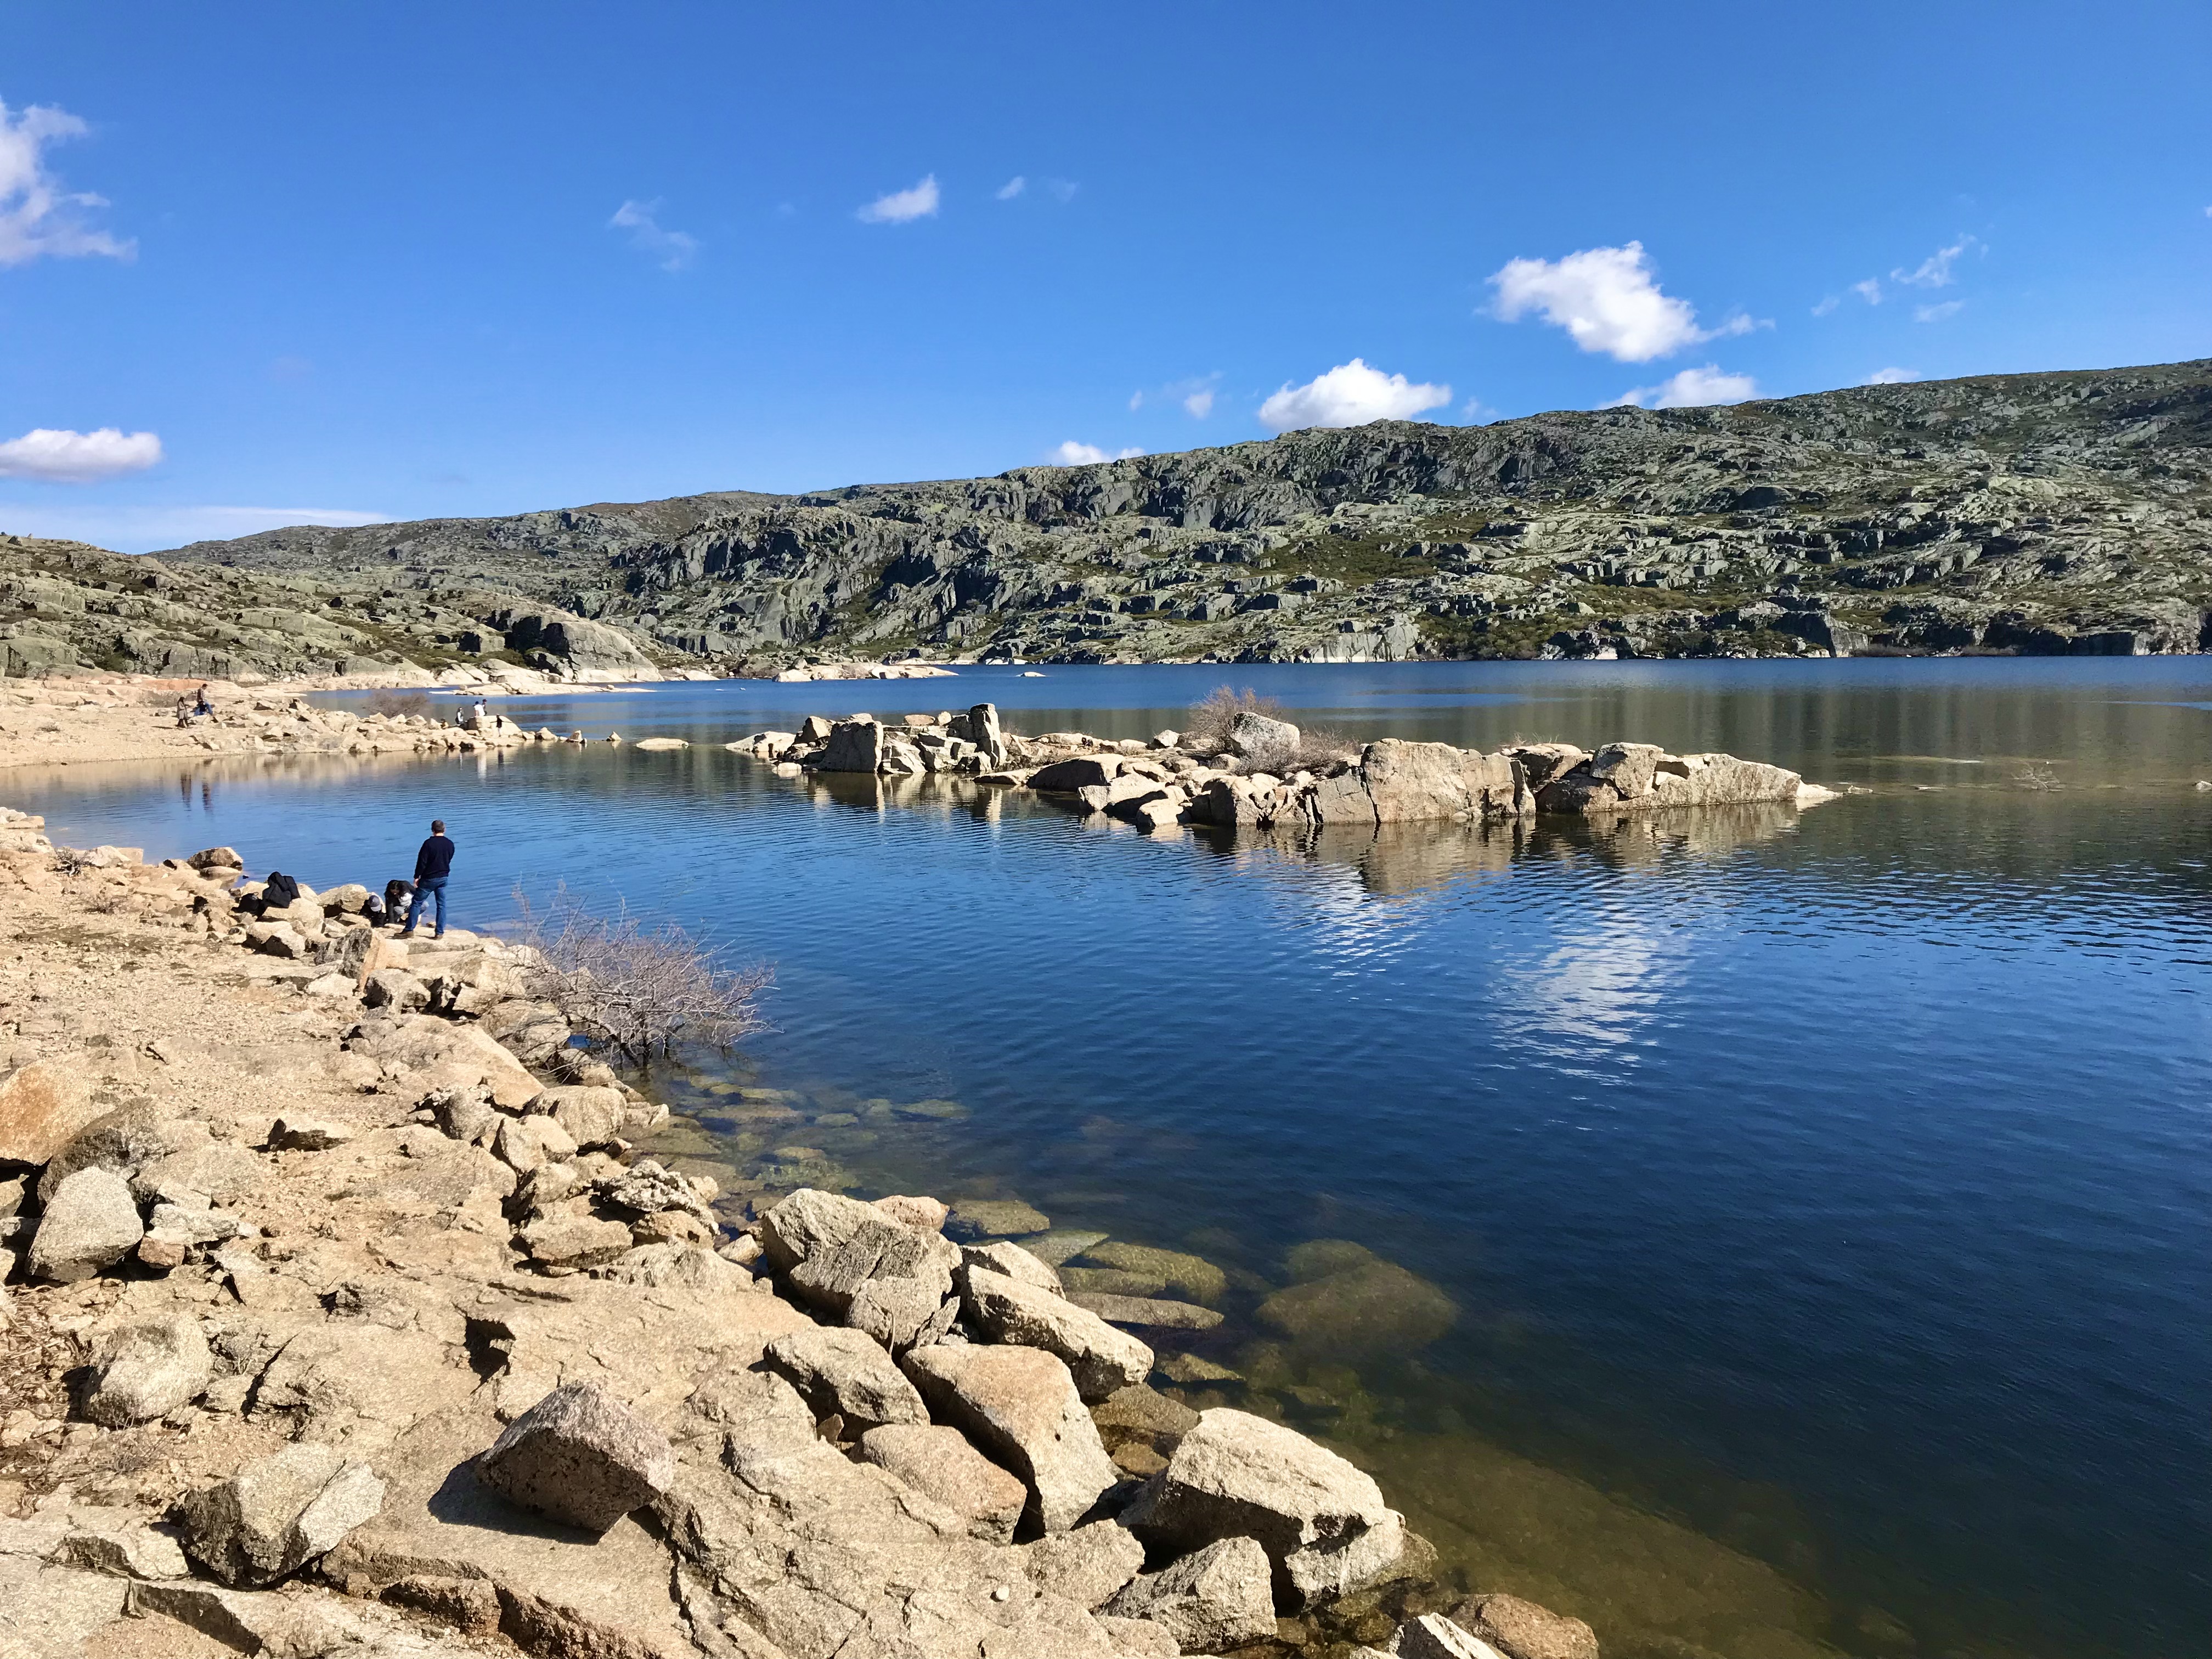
x=432, y=865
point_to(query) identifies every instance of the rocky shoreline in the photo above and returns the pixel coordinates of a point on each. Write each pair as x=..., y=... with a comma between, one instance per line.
x=350, y=1312
x=1263, y=773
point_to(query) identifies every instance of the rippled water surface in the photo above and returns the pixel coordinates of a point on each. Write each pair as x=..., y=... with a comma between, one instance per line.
x=1822, y=1200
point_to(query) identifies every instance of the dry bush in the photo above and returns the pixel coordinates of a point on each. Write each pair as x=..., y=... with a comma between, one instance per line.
x=1212, y=716
x=638, y=989
x=2037, y=774
x=1320, y=747
x=397, y=703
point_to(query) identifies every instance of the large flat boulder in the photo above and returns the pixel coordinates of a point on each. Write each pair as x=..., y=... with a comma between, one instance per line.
x=1522, y=1630
x=1020, y=1407
x=1322, y=1522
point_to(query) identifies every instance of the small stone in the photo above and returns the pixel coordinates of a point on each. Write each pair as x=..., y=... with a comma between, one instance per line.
x=148, y=1369
x=1100, y=1357
x=1523, y=1630
x=90, y=1223
x=44, y=1106
x=1021, y=1406
x=582, y=1456
x=572, y=1242
x=1005, y=1256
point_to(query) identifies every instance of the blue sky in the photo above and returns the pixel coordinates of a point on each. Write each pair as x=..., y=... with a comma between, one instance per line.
x=399, y=260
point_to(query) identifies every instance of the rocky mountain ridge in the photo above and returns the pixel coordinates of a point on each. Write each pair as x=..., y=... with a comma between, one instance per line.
x=2034, y=514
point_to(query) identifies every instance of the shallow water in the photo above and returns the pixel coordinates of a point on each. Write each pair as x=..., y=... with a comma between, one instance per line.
x=1822, y=1197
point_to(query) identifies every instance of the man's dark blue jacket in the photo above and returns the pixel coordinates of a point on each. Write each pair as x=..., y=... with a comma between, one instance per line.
x=435, y=860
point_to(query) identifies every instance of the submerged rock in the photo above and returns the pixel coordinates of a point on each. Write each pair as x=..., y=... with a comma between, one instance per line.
x=1365, y=1305
x=1193, y=1278
x=973, y=1220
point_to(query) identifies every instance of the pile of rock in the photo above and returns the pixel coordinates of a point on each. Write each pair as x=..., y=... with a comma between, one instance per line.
x=448, y=1346
x=1254, y=778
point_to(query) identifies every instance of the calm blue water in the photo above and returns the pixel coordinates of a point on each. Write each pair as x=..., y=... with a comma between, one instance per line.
x=1825, y=1197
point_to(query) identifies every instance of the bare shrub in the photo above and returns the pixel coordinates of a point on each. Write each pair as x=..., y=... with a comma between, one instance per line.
x=1319, y=747
x=2037, y=774
x=73, y=860
x=638, y=989
x=398, y=703
x=1212, y=715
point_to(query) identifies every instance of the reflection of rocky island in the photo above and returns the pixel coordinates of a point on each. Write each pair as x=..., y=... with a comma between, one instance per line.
x=1265, y=774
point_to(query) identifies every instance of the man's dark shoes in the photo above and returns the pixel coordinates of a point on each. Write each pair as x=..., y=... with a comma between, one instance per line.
x=405, y=932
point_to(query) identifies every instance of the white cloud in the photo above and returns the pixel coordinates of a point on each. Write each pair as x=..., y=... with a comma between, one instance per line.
x=1200, y=405
x=1073, y=453
x=903, y=206
x=1062, y=189
x=39, y=218
x=1869, y=290
x=673, y=248
x=1351, y=394
x=147, y=529
x=56, y=457
x=1936, y=314
x=1013, y=187
x=1136, y=401
x=1935, y=271
x=1693, y=388
x=1826, y=306
x=1891, y=377
x=1607, y=300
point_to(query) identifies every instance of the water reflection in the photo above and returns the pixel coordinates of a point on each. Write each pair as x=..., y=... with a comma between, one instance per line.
x=1820, y=1199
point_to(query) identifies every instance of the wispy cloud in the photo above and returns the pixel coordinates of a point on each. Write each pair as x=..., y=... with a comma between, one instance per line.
x=1013, y=187
x=1892, y=377
x=674, y=249
x=1936, y=314
x=1351, y=394
x=903, y=206
x=1693, y=388
x=1136, y=401
x=1828, y=304
x=1868, y=290
x=39, y=219
x=1935, y=271
x=1063, y=190
x=59, y=457
x=1198, y=404
x=1073, y=453
x=1607, y=299
x=147, y=529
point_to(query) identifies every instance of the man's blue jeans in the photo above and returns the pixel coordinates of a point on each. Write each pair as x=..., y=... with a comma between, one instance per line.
x=435, y=886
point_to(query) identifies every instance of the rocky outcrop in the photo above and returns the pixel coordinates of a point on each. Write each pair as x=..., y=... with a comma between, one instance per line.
x=2025, y=513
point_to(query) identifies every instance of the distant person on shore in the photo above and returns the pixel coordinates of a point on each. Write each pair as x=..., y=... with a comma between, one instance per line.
x=204, y=707
x=433, y=863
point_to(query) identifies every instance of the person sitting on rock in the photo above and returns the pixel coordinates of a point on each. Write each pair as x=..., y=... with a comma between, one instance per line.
x=398, y=894
x=432, y=862
x=202, y=708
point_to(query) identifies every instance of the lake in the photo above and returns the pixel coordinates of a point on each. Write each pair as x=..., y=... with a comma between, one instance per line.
x=1821, y=1198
